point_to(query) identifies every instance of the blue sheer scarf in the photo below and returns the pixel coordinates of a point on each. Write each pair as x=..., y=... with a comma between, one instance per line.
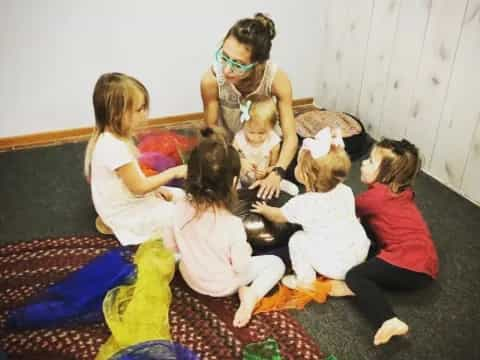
x=78, y=298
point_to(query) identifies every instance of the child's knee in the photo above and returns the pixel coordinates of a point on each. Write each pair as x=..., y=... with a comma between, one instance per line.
x=277, y=266
x=296, y=240
x=351, y=278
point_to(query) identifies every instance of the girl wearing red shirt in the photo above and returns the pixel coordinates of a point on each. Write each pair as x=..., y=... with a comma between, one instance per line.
x=407, y=258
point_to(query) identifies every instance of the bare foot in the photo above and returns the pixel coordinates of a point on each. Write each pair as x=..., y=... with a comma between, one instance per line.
x=389, y=328
x=292, y=282
x=248, y=300
x=339, y=288
x=101, y=227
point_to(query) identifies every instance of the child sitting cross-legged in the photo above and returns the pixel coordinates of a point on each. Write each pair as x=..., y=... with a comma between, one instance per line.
x=215, y=257
x=332, y=240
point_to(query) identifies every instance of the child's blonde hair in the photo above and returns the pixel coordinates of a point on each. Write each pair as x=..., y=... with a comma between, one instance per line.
x=113, y=96
x=326, y=172
x=400, y=164
x=263, y=110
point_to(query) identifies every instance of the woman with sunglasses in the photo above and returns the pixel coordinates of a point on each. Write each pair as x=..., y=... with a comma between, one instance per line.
x=242, y=69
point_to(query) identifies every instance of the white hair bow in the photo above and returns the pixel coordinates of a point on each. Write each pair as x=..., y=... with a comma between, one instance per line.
x=321, y=143
x=245, y=111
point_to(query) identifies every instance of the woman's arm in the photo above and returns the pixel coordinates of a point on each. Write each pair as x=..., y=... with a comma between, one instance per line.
x=282, y=89
x=274, y=153
x=209, y=91
x=139, y=184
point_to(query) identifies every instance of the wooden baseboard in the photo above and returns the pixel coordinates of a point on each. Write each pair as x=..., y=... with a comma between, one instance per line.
x=82, y=134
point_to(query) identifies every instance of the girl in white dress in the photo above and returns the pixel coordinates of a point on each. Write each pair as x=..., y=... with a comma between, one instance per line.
x=332, y=240
x=134, y=206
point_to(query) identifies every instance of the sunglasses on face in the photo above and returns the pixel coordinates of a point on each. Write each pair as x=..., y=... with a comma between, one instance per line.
x=235, y=66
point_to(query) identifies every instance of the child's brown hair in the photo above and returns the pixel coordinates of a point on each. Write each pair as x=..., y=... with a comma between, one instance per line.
x=326, y=172
x=400, y=164
x=212, y=168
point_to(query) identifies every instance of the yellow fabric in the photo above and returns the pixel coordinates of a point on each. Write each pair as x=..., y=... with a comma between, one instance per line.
x=139, y=312
x=286, y=298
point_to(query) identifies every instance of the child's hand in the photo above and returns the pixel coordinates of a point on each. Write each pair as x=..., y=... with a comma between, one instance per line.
x=164, y=194
x=247, y=166
x=261, y=173
x=260, y=207
x=181, y=172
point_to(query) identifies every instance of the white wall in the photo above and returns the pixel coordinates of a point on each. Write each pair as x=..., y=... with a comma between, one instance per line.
x=409, y=68
x=52, y=52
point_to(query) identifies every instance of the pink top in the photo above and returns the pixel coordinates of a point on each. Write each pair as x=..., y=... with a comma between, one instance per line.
x=399, y=228
x=214, y=250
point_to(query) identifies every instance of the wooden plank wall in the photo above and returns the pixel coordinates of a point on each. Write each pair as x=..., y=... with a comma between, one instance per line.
x=409, y=68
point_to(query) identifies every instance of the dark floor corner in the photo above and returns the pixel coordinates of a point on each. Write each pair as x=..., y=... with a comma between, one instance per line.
x=44, y=194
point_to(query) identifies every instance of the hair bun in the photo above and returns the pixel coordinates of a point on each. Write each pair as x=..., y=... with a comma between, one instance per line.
x=267, y=23
x=206, y=132
x=215, y=134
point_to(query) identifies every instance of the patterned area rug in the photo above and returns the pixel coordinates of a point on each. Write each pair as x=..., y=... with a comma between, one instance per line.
x=201, y=323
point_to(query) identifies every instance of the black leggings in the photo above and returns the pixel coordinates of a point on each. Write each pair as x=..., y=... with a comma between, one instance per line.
x=366, y=279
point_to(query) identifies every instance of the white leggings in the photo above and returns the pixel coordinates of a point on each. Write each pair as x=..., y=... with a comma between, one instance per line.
x=299, y=256
x=308, y=260
x=264, y=272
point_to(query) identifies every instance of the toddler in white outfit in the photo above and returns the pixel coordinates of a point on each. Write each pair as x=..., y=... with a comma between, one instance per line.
x=332, y=240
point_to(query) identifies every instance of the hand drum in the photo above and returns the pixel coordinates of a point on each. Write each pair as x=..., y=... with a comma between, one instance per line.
x=262, y=233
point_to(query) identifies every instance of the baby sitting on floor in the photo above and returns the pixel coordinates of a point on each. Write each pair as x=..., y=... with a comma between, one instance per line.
x=215, y=257
x=258, y=144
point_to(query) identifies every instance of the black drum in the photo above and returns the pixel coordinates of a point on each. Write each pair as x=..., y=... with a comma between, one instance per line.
x=262, y=234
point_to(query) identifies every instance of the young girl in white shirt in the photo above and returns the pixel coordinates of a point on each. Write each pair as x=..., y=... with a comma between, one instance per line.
x=332, y=240
x=134, y=206
x=215, y=257
x=258, y=144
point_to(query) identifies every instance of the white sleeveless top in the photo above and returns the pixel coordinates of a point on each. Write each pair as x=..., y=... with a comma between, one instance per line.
x=230, y=98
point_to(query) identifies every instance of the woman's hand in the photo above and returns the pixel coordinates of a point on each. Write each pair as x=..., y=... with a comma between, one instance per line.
x=268, y=187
